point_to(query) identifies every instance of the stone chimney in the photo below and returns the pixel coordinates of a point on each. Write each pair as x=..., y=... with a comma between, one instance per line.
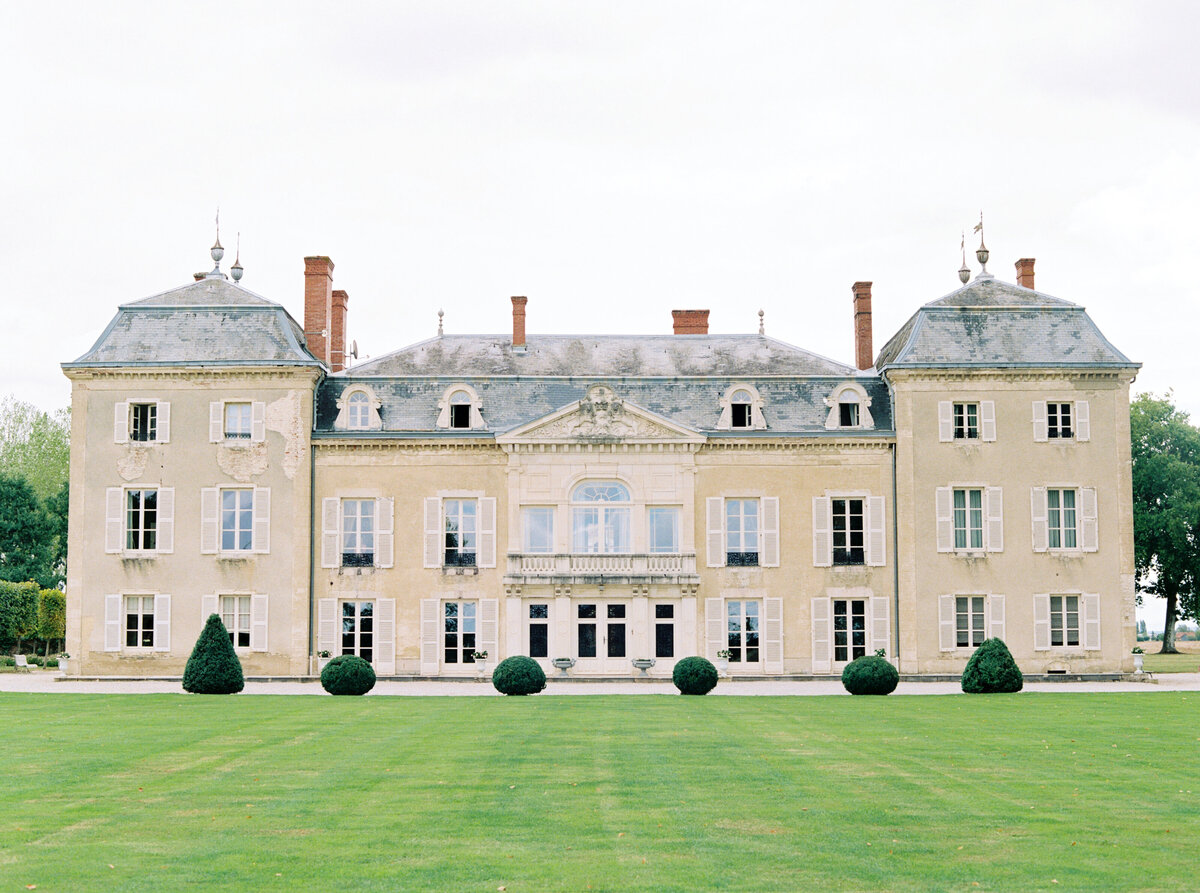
x=863, y=357
x=690, y=322
x=337, y=331
x=1025, y=272
x=318, y=306
x=519, y=303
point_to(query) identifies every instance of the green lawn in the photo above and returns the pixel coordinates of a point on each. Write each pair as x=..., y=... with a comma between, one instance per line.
x=1184, y=662
x=655, y=793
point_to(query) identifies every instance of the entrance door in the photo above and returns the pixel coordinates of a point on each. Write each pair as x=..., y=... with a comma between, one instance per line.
x=358, y=629
x=601, y=632
x=849, y=629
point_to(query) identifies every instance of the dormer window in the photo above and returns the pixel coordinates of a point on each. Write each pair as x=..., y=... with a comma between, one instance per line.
x=358, y=410
x=741, y=408
x=460, y=409
x=358, y=407
x=849, y=407
x=848, y=411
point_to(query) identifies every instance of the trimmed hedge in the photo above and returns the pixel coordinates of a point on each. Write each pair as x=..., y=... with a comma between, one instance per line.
x=348, y=674
x=694, y=676
x=871, y=675
x=213, y=668
x=519, y=675
x=992, y=669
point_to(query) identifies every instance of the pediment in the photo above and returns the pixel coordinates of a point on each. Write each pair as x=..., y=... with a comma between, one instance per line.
x=601, y=417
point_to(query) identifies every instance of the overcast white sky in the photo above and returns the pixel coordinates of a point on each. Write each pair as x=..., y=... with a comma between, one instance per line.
x=611, y=160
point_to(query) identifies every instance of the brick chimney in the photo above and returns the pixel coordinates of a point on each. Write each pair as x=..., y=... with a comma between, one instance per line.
x=337, y=331
x=863, y=357
x=318, y=306
x=519, y=303
x=1025, y=272
x=690, y=322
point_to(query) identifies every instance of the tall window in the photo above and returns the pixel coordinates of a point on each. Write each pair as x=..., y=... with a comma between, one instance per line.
x=742, y=630
x=600, y=518
x=461, y=539
x=1058, y=420
x=460, y=410
x=143, y=421
x=358, y=629
x=139, y=621
x=237, y=520
x=141, y=519
x=739, y=405
x=849, y=628
x=358, y=411
x=458, y=632
x=969, y=621
x=741, y=532
x=966, y=421
x=238, y=421
x=358, y=532
x=663, y=529
x=539, y=630
x=538, y=528
x=968, y=519
x=848, y=543
x=1061, y=519
x=664, y=630
x=848, y=413
x=1064, y=620
x=235, y=614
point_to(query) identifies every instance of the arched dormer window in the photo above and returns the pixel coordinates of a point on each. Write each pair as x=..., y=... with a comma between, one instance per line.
x=358, y=410
x=741, y=408
x=600, y=515
x=849, y=407
x=460, y=408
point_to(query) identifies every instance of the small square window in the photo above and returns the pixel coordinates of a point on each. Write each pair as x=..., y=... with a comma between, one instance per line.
x=143, y=422
x=238, y=423
x=1058, y=421
x=966, y=421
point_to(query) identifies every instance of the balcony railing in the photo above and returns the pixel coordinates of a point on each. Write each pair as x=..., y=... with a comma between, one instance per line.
x=640, y=566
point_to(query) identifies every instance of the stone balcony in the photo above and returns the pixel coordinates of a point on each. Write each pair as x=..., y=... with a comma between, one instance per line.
x=608, y=568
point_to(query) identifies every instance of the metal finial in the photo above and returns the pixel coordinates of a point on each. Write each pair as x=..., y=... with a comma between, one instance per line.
x=964, y=272
x=216, y=252
x=236, y=270
x=981, y=252
x=441, y=313
x=762, y=330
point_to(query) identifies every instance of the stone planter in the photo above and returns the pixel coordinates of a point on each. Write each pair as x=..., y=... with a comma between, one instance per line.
x=644, y=664
x=723, y=666
x=562, y=664
x=64, y=665
x=481, y=666
x=1137, y=663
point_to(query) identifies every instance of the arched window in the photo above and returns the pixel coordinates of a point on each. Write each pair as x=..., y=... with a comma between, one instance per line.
x=460, y=410
x=358, y=409
x=740, y=405
x=849, y=407
x=848, y=410
x=358, y=414
x=600, y=517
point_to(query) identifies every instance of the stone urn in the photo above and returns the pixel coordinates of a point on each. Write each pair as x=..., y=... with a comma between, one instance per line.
x=644, y=664
x=1137, y=662
x=562, y=664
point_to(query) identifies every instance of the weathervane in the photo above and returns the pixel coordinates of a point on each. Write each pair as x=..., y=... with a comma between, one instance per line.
x=981, y=252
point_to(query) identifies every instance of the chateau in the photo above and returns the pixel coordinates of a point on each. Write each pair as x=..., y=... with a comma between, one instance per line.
x=604, y=498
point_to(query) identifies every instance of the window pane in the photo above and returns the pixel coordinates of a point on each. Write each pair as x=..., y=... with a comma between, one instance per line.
x=538, y=529
x=664, y=529
x=539, y=640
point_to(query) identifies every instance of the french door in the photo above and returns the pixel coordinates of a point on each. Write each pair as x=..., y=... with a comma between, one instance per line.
x=849, y=629
x=601, y=636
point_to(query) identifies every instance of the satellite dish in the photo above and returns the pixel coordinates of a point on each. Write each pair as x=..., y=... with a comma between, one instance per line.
x=354, y=349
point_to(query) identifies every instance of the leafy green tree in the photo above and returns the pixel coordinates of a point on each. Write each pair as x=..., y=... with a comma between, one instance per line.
x=51, y=617
x=35, y=445
x=26, y=536
x=57, y=509
x=213, y=668
x=18, y=611
x=1166, y=508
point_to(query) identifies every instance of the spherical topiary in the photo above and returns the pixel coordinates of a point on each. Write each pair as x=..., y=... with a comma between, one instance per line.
x=213, y=668
x=694, y=676
x=348, y=674
x=870, y=676
x=992, y=669
x=519, y=675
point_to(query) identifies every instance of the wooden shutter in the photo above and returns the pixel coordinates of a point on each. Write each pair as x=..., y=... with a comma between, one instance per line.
x=880, y=628
x=114, y=519
x=435, y=539
x=209, y=605
x=162, y=622
x=876, y=539
x=216, y=422
x=112, y=623
x=987, y=420
x=121, y=423
x=773, y=635
x=715, y=515
x=822, y=531
x=262, y=519
x=1083, y=421
x=1041, y=622
x=258, y=622
x=947, y=639
x=166, y=520
x=258, y=422
x=1089, y=534
x=331, y=519
x=995, y=616
x=430, y=618
x=945, y=420
x=385, y=538
x=1039, y=421
x=385, y=637
x=327, y=625
x=714, y=626
x=770, y=532
x=163, y=413
x=822, y=654
x=1038, y=518
x=993, y=505
x=489, y=627
x=1091, y=620
x=210, y=517
x=486, y=556
x=944, y=511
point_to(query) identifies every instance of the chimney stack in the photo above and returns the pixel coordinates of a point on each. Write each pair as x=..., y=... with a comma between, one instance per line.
x=337, y=331
x=863, y=357
x=690, y=322
x=519, y=303
x=318, y=306
x=1025, y=272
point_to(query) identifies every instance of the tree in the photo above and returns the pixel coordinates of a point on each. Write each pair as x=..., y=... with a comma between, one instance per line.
x=51, y=617
x=1166, y=508
x=213, y=668
x=35, y=445
x=18, y=611
x=26, y=536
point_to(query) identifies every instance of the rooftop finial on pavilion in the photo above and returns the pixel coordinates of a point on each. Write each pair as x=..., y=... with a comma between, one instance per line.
x=236, y=270
x=964, y=272
x=441, y=313
x=981, y=252
x=217, y=252
x=762, y=329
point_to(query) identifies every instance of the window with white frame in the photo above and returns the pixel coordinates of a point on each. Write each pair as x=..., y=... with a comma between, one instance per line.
x=966, y=619
x=970, y=621
x=235, y=614
x=1065, y=519
x=966, y=420
x=141, y=520
x=459, y=620
x=537, y=524
x=600, y=517
x=742, y=531
x=1064, y=621
x=358, y=532
x=358, y=629
x=234, y=521
x=662, y=526
x=742, y=626
x=970, y=519
x=358, y=411
x=1061, y=518
x=848, y=411
x=461, y=543
x=740, y=405
x=848, y=530
x=539, y=630
x=664, y=630
x=849, y=629
x=142, y=421
x=849, y=535
x=849, y=407
x=460, y=531
x=741, y=408
x=139, y=621
x=1058, y=421
x=460, y=408
x=237, y=520
x=237, y=421
x=1061, y=420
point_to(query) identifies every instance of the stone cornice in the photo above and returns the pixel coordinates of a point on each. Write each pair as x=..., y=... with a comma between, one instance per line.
x=197, y=375
x=956, y=374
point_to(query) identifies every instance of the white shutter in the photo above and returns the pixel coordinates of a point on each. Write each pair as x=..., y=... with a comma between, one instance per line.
x=821, y=650
x=714, y=626
x=121, y=423
x=258, y=422
x=210, y=515
x=944, y=511
x=258, y=622
x=385, y=637
x=715, y=515
x=1039, y=421
x=385, y=525
x=773, y=635
x=1091, y=621
x=987, y=420
x=1089, y=534
x=216, y=422
x=429, y=636
x=327, y=625
x=166, y=519
x=770, y=532
x=995, y=617
x=993, y=504
x=262, y=519
x=945, y=420
x=876, y=540
x=486, y=556
x=209, y=605
x=489, y=627
x=947, y=638
x=1041, y=622
x=1041, y=525
x=822, y=531
x=435, y=539
x=162, y=622
x=163, y=412
x=114, y=519
x=112, y=623
x=1083, y=422
x=879, y=624
x=331, y=519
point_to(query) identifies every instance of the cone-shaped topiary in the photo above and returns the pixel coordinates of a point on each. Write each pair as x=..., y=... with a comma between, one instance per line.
x=519, y=675
x=694, y=676
x=348, y=674
x=213, y=668
x=992, y=669
x=871, y=675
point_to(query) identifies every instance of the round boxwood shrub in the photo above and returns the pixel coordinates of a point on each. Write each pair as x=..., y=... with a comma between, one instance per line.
x=871, y=675
x=992, y=669
x=348, y=674
x=519, y=675
x=694, y=676
x=213, y=668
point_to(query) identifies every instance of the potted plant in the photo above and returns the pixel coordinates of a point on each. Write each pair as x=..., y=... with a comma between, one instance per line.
x=62, y=661
x=323, y=657
x=480, y=658
x=723, y=661
x=563, y=664
x=1137, y=658
x=644, y=663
